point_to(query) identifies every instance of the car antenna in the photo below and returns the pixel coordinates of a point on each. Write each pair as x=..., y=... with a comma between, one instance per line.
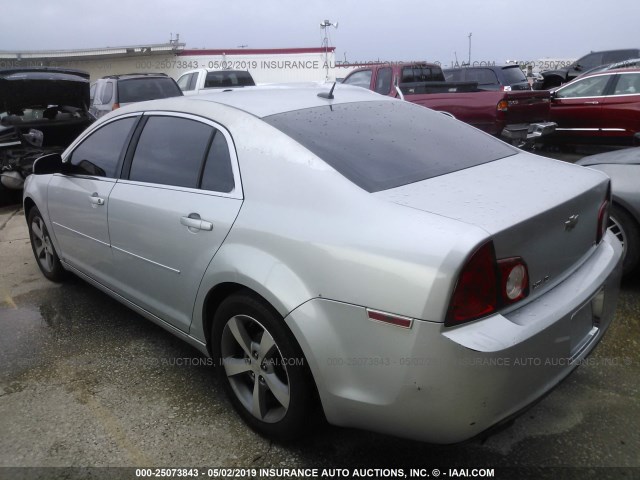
x=329, y=95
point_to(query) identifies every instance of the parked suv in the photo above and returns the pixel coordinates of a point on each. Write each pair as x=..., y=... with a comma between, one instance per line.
x=505, y=78
x=114, y=91
x=555, y=78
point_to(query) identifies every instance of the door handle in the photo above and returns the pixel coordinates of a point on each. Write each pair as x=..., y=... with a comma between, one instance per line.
x=194, y=222
x=96, y=200
x=592, y=103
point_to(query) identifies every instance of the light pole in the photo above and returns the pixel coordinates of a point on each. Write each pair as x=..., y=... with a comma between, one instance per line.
x=325, y=43
x=469, y=64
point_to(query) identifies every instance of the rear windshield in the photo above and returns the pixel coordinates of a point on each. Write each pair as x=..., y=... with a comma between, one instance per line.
x=228, y=79
x=383, y=145
x=421, y=73
x=513, y=75
x=141, y=89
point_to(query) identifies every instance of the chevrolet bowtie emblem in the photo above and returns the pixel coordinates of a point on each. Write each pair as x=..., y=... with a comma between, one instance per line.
x=571, y=223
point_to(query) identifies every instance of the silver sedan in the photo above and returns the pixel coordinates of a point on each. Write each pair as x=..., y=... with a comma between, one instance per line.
x=623, y=167
x=338, y=252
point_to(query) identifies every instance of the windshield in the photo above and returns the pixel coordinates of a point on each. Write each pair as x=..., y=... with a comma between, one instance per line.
x=383, y=145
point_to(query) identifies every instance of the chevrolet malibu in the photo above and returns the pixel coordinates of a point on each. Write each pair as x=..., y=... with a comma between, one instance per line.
x=338, y=253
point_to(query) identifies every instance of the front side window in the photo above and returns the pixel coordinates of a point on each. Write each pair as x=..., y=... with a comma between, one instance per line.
x=170, y=151
x=359, y=79
x=587, y=87
x=99, y=154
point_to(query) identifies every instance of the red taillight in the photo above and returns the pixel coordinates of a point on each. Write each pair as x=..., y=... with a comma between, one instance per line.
x=503, y=106
x=476, y=292
x=486, y=284
x=603, y=216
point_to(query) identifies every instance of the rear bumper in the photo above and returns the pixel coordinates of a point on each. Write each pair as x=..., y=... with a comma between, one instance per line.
x=446, y=385
x=528, y=132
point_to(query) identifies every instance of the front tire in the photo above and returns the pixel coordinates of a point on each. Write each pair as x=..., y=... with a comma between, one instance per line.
x=262, y=367
x=624, y=227
x=43, y=249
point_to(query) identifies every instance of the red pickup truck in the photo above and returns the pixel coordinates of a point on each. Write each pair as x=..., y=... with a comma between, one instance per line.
x=519, y=116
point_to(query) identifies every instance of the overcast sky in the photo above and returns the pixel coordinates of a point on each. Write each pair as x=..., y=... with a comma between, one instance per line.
x=388, y=30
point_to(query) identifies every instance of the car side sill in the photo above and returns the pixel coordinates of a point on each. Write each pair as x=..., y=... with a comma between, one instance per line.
x=194, y=342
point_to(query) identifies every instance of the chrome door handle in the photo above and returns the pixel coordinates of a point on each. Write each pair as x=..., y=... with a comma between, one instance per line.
x=592, y=103
x=194, y=222
x=96, y=200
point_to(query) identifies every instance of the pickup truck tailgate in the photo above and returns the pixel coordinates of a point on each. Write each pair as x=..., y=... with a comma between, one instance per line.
x=527, y=106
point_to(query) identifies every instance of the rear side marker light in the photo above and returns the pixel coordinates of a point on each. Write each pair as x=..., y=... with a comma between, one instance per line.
x=398, y=321
x=603, y=216
x=503, y=106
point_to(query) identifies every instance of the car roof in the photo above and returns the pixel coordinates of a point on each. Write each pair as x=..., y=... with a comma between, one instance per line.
x=266, y=100
x=136, y=75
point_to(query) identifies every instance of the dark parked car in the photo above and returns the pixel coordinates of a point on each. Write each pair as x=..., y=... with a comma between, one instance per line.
x=555, y=78
x=115, y=91
x=602, y=108
x=42, y=110
x=505, y=78
x=623, y=167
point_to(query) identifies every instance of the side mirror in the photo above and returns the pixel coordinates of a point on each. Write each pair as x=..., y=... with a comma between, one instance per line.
x=47, y=164
x=552, y=95
x=577, y=67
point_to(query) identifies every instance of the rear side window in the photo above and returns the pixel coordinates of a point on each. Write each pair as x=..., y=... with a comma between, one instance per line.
x=513, y=75
x=218, y=175
x=99, y=154
x=170, y=151
x=382, y=145
x=453, y=75
x=619, y=55
x=184, y=81
x=141, y=89
x=383, y=81
x=107, y=93
x=483, y=76
x=628, y=84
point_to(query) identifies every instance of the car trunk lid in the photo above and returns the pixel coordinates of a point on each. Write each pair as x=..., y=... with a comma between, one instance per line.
x=542, y=210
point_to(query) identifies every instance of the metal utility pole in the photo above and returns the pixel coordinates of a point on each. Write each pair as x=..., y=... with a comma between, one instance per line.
x=470, y=49
x=325, y=43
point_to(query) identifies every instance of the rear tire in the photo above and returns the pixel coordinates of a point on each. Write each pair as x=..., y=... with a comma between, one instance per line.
x=262, y=367
x=625, y=228
x=43, y=249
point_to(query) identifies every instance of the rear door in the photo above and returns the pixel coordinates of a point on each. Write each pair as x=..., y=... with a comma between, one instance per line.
x=621, y=109
x=168, y=218
x=576, y=107
x=78, y=202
